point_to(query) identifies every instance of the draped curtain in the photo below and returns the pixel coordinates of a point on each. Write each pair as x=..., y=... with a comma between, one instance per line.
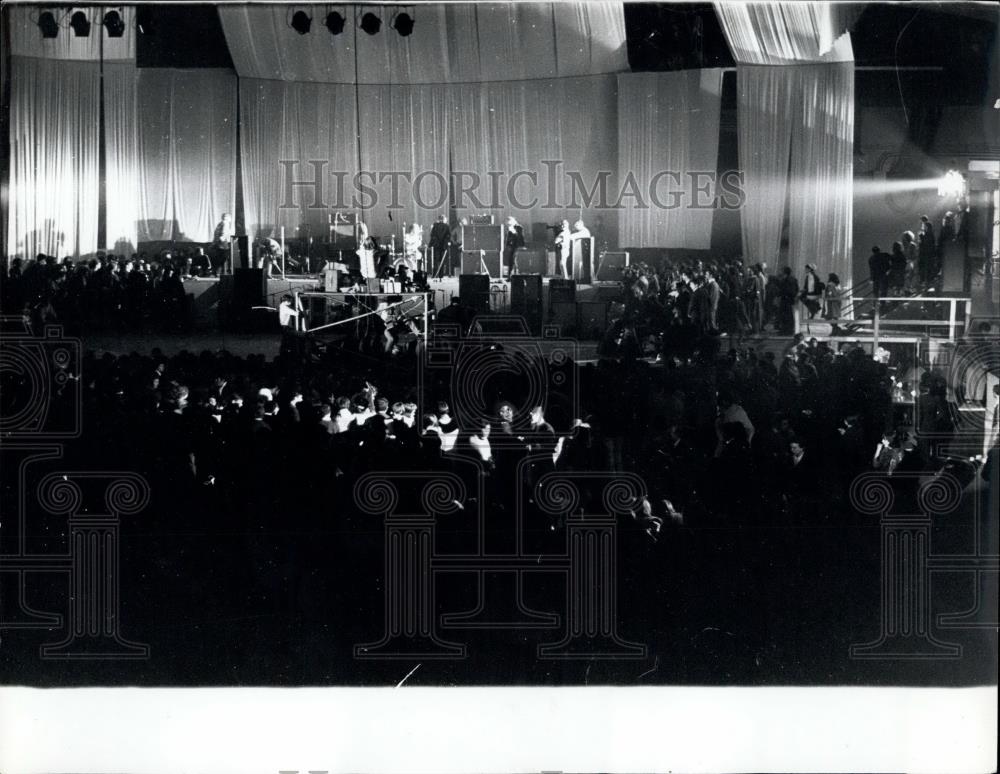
x=467, y=42
x=764, y=131
x=795, y=75
x=295, y=123
x=121, y=148
x=668, y=131
x=449, y=135
x=786, y=32
x=187, y=142
x=822, y=170
x=54, y=137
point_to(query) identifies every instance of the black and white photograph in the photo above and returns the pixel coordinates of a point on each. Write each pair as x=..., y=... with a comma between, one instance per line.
x=640, y=361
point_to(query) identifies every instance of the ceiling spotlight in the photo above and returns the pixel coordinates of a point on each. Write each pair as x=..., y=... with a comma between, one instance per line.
x=370, y=23
x=114, y=24
x=403, y=24
x=47, y=24
x=80, y=24
x=334, y=23
x=301, y=22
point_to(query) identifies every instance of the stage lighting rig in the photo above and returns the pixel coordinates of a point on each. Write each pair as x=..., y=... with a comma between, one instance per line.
x=48, y=25
x=370, y=23
x=403, y=23
x=301, y=22
x=335, y=22
x=952, y=185
x=114, y=24
x=80, y=24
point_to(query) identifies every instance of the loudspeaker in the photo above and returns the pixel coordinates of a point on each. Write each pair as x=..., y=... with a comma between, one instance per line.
x=610, y=265
x=239, y=293
x=531, y=260
x=482, y=237
x=526, y=300
x=581, y=260
x=473, y=262
x=474, y=292
x=249, y=288
x=241, y=253
x=562, y=291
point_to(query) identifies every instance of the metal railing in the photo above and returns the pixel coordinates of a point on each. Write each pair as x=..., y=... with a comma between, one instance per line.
x=883, y=309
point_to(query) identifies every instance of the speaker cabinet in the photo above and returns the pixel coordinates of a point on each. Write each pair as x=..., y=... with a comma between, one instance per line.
x=581, y=260
x=242, y=257
x=526, y=300
x=481, y=261
x=482, y=237
x=249, y=288
x=474, y=292
x=562, y=291
x=531, y=260
x=610, y=266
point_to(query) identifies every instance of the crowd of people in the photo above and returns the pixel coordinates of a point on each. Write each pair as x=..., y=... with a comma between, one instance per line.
x=108, y=292
x=786, y=433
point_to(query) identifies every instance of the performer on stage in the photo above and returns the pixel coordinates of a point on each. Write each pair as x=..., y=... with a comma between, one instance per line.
x=579, y=233
x=565, y=244
x=513, y=241
x=413, y=238
x=268, y=251
x=439, y=241
x=366, y=252
x=222, y=244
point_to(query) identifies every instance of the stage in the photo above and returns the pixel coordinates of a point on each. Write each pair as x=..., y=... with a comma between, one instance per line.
x=584, y=307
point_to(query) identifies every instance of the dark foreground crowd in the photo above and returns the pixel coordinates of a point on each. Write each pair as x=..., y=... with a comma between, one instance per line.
x=742, y=437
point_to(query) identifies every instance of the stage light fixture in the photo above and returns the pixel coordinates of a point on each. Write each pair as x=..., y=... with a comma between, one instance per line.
x=80, y=24
x=403, y=24
x=47, y=24
x=301, y=22
x=334, y=23
x=952, y=185
x=370, y=23
x=114, y=24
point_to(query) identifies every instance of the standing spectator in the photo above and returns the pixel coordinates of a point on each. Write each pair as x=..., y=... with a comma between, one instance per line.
x=812, y=291
x=833, y=296
x=897, y=269
x=879, y=264
x=910, y=251
x=787, y=292
x=926, y=253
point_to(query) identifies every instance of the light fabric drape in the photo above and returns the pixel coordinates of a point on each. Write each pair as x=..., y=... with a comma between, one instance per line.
x=796, y=143
x=54, y=137
x=470, y=42
x=822, y=170
x=459, y=132
x=764, y=131
x=187, y=141
x=26, y=37
x=405, y=130
x=295, y=123
x=668, y=144
x=121, y=148
x=787, y=32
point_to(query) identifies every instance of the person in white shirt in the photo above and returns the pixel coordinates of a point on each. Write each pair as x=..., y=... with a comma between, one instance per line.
x=565, y=244
x=288, y=315
x=480, y=442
